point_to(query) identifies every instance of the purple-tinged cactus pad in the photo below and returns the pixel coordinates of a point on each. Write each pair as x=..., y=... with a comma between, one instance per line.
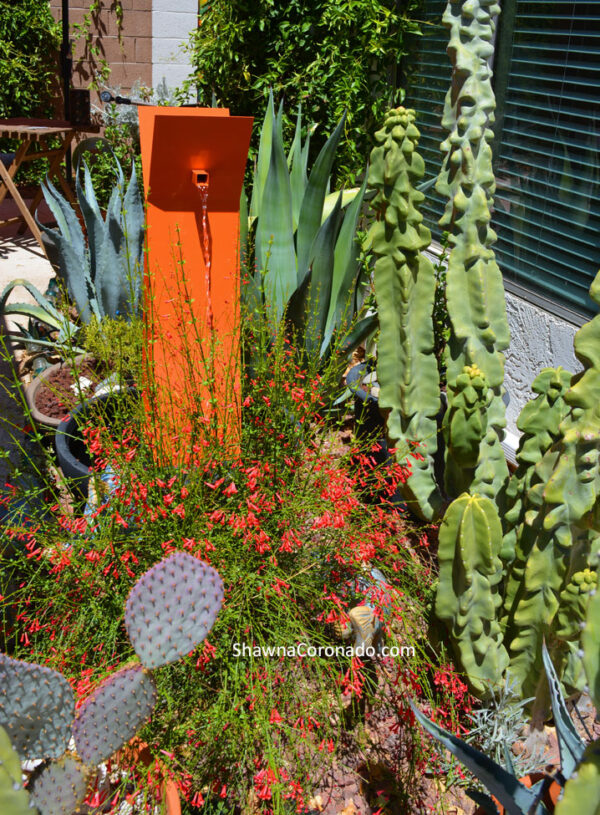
x=61, y=786
x=36, y=708
x=171, y=609
x=113, y=714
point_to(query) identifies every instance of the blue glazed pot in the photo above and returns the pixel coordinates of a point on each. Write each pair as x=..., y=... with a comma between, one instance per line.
x=71, y=450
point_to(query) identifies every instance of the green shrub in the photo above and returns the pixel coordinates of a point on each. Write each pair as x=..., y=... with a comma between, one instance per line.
x=28, y=74
x=330, y=55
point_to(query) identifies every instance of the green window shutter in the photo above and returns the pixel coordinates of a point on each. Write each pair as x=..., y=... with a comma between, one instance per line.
x=427, y=84
x=547, y=151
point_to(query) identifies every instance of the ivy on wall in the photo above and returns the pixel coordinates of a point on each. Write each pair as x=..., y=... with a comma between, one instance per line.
x=29, y=73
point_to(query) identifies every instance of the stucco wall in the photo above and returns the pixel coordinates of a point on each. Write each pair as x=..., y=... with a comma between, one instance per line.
x=538, y=340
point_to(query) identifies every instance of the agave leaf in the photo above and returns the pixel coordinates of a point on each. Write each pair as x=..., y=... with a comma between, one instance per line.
x=570, y=745
x=358, y=333
x=275, y=253
x=297, y=308
x=43, y=301
x=111, y=277
x=94, y=223
x=345, y=269
x=516, y=798
x=348, y=197
x=69, y=252
x=309, y=219
x=298, y=177
x=319, y=297
x=133, y=245
x=264, y=159
x=243, y=248
x=35, y=312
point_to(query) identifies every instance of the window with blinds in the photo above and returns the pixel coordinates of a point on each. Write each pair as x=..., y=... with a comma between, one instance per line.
x=547, y=150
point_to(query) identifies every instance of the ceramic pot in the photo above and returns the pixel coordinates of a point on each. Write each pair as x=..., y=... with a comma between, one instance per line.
x=71, y=451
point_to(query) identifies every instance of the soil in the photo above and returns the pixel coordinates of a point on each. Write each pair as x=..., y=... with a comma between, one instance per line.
x=55, y=397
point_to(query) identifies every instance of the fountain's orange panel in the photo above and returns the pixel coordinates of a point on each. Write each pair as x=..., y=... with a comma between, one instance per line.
x=193, y=162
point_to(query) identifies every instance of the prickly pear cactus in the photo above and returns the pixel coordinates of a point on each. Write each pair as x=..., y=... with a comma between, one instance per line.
x=171, y=609
x=36, y=708
x=61, y=786
x=113, y=714
x=474, y=290
x=468, y=596
x=539, y=423
x=404, y=289
x=14, y=799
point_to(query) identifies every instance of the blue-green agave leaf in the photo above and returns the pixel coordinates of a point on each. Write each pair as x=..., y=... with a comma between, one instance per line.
x=264, y=159
x=275, y=252
x=321, y=262
x=67, y=251
x=359, y=333
x=133, y=245
x=94, y=222
x=570, y=745
x=309, y=219
x=298, y=178
x=516, y=798
x=345, y=269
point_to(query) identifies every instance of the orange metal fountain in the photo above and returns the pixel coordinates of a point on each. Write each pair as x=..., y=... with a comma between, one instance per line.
x=193, y=162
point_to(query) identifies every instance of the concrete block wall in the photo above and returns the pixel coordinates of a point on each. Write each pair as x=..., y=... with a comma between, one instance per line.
x=146, y=47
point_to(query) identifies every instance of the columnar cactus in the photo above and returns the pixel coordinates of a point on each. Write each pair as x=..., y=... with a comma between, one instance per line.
x=468, y=596
x=404, y=290
x=539, y=423
x=474, y=290
x=174, y=604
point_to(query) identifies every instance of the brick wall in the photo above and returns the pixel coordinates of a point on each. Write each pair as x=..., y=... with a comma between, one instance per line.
x=127, y=49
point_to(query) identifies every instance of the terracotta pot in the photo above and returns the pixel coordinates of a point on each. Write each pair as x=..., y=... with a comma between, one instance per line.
x=552, y=790
x=33, y=387
x=138, y=752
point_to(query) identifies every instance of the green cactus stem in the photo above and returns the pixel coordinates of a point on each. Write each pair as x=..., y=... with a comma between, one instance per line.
x=539, y=423
x=36, y=708
x=14, y=799
x=465, y=426
x=404, y=289
x=468, y=596
x=113, y=714
x=474, y=291
x=582, y=791
x=171, y=609
x=590, y=646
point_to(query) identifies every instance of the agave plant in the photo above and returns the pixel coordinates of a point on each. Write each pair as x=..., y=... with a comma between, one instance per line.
x=579, y=772
x=42, y=310
x=103, y=273
x=305, y=249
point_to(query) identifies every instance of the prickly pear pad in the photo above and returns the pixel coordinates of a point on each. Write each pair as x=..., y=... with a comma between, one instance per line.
x=36, y=708
x=113, y=714
x=171, y=609
x=61, y=787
